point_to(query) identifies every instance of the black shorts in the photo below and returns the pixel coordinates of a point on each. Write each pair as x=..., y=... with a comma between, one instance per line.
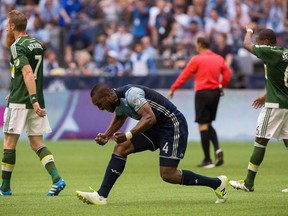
x=170, y=138
x=206, y=104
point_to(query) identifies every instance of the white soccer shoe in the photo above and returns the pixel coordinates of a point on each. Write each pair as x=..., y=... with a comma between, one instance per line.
x=221, y=191
x=240, y=185
x=285, y=190
x=91, y=198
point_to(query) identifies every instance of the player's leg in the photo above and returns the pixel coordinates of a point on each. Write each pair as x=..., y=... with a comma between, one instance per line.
x=115, y=167
x=8, y=161
x=14, y=123
x=172, y=151
x=270, y=124
x=202, y=112
x=212, y=105
x=36, y=127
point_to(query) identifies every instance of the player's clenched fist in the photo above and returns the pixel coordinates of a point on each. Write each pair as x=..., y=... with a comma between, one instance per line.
x=101, y=139
x=119, y=137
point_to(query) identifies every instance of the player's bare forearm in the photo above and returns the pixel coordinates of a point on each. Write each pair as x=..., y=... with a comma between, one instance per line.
x=29, y=79
x=248, y=43
x=115, y=125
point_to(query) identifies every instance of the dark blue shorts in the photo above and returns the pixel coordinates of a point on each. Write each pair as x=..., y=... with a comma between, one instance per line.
x=170, y=137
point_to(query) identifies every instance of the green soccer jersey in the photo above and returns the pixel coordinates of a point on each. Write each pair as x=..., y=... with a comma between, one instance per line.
x=276, y=74
x=26, y=51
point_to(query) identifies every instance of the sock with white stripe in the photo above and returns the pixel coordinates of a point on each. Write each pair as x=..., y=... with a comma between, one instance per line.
x=114, y=170
x=8, y=163
x=47, y=161
x=255, y=161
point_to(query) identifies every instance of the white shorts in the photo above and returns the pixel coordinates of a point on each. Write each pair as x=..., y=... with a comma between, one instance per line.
x=17, y=118
x=272, y=122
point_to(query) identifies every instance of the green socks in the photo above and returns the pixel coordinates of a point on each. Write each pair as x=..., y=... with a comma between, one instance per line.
x=255, y=161
x=47, y=161
x=8, y=163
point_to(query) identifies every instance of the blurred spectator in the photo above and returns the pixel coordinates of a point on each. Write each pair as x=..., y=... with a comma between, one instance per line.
x=164, y=30
x=148, y=48
x=237, y=25
x=191, y=12
x=182, y=21
x=69, y=10
x=179, y=56
x=82, y=65
x=142, y=63
x=140, y=18
x=113, y=66
x=95, y=17
x=68, y=13
x=40, y=32
x=112, y=10
x=223, y=49
x=78, y=39
x=216, y=24
x=276, y=19
x=258, y=12
x=5, y=7
x=49, y=11
x=101, y=50
x=30, y=13
x=50, y=62
x=190, y=36
x=121, y=41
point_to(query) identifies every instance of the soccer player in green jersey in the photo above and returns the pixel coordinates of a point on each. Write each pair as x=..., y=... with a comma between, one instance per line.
x=273, y=119
x=26, y=106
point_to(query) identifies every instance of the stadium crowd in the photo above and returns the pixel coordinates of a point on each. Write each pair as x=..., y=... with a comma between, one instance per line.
x=139, y=38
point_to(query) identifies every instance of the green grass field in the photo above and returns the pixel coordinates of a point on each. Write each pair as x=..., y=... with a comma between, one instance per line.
x=140, y=190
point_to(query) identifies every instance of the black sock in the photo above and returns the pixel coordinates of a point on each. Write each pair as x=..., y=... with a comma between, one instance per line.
x=190, y=178
x=113, y=171
x=205, y=141
x=213, y=138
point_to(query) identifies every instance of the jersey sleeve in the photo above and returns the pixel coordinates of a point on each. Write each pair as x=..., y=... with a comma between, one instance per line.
x=19, y=57
x=135, y=98
x=262, y=52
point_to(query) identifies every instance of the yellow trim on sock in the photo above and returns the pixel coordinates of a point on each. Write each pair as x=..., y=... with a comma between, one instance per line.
x=7, y=167
x=252, y=167
x=47, y=159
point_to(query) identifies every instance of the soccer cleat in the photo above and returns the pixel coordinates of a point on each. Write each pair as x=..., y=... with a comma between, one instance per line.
x=221, y=191
x=57, y=188
x=206, y=164
x=91, y=197
x=285, y=190
x=240, y=185
x=219, y=157
x=5, y=193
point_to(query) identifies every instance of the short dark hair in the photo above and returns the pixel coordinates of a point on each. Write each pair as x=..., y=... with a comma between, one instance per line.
x=204, y=42
x=102, y=88
x=268, y=34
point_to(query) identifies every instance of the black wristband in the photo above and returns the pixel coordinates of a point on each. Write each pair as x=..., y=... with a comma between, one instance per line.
x=33, y=98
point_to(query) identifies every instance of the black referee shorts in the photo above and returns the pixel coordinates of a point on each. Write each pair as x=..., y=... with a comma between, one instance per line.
x=206, y=104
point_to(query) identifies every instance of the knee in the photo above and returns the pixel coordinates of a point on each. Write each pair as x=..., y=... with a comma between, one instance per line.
x=123, y=149
x=170, y=176
x=166, y=177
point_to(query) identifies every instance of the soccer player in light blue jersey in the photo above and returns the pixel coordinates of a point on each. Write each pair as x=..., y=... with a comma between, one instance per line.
x=160, y=126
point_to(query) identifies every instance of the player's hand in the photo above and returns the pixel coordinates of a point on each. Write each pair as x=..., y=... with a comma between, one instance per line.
x=7, y=97
x=258, y=102
x=38, y=110
x=250, y=26
x=119, y=137
x=170, y=94
x=101, y=139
